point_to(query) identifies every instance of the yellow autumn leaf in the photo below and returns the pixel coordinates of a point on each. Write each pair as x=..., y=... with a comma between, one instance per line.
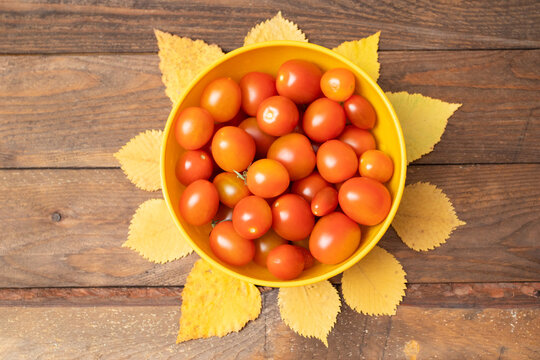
x=215, y=304
x=310, y=310
x=181, y=60
x=276, y=28
x=425, y=217
x=375, y=285
x=154, y=235
x=364, y=53
x=423, y=120
x=139, y=160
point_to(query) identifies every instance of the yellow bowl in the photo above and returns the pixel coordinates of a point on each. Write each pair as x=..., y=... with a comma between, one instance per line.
x=267, y=57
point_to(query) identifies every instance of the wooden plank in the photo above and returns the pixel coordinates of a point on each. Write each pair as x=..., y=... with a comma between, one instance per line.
x=75, y=111
x=501, y=205
x=59, y=324
x=125, y=26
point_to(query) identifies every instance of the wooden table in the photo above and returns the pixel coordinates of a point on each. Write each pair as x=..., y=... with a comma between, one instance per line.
x=78, y=79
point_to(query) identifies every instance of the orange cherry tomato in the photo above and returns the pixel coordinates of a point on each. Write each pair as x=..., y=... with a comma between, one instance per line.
x=292, y=217
x=262, y=139
x=323, y=120
x=233, y=149
x=324, y=202
x=252, y=217
x=360, y=140
x=230, y=247
x=199, y=202
x=338, y=84
x=365, y=200
x=309, y=186
x=285, y=262
x=360, y=112
x=265, y=244
x=222, y=98
x=299, y=80
x=267, y=178
x=376, y=165
x=336, y=161
x=277, y=115
x=334, y=239
x=294, y=151
x=309, y=260
x=194, y=165
x=255, y=87
x=231, y=189
x=193, y=128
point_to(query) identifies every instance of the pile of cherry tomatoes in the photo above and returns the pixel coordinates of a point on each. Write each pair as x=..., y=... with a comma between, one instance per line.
x=286, y=168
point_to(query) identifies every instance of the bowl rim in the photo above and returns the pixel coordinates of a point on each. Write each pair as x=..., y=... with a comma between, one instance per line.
x=351, y=260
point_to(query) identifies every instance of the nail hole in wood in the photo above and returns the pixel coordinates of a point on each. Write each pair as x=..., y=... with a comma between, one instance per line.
x=56, y=217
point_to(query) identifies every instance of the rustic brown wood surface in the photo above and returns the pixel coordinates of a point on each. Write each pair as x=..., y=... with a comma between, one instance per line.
x=78, y=79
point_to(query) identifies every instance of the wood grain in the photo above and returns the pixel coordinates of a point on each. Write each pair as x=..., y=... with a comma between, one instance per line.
x=500, y=203
x=58, y=323
x=76, y=111
x=125, y=26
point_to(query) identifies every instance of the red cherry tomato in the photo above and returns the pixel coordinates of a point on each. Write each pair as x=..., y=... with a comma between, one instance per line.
x=231, y=189
x=199, y=202
x=338, y=84
x=265, y=244
x=294, y=151
x=335, y=238
x=193, y=165
x=336, y=161
x=376, y=165
x=223, y=213
x=323, y=120
x=292, y=217
x=230, y=247
x=252, y=217
x=222, y=98
x=299, y=80
x=267, y=178
x=193, y=128
x=360, y=112
x=309, y=260
x=309, y=186
x=233, y=149
x=285, y=262
x=262, y=139
x=277, y=115
x=364, y=200
x=324, y=202
x=360, y=140
x=255, y=87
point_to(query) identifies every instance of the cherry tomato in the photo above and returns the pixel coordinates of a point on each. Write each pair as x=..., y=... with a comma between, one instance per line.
x=292, y=217
x=193, y=165
x=277, y=115
x=376, y=165
x=323, y=120
x=360, y=140
x=338, y=84
x=231, y=189
x=255, y=87
x=233, y=149
x=324, y=202
x=230, y=247
x=299, y=80
x=294, y=151
x=360, y=112
x=265, y=244
x=222, y=98
x=267, y=178
x=365, y=200
x=335, y=238
x=336, y=161
x=252, y=217
x=199, y=202
x=309, y=260
x=285, y=262
x=309, y=186
x=194, y=127
x=223, y=213
x=262, y=139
